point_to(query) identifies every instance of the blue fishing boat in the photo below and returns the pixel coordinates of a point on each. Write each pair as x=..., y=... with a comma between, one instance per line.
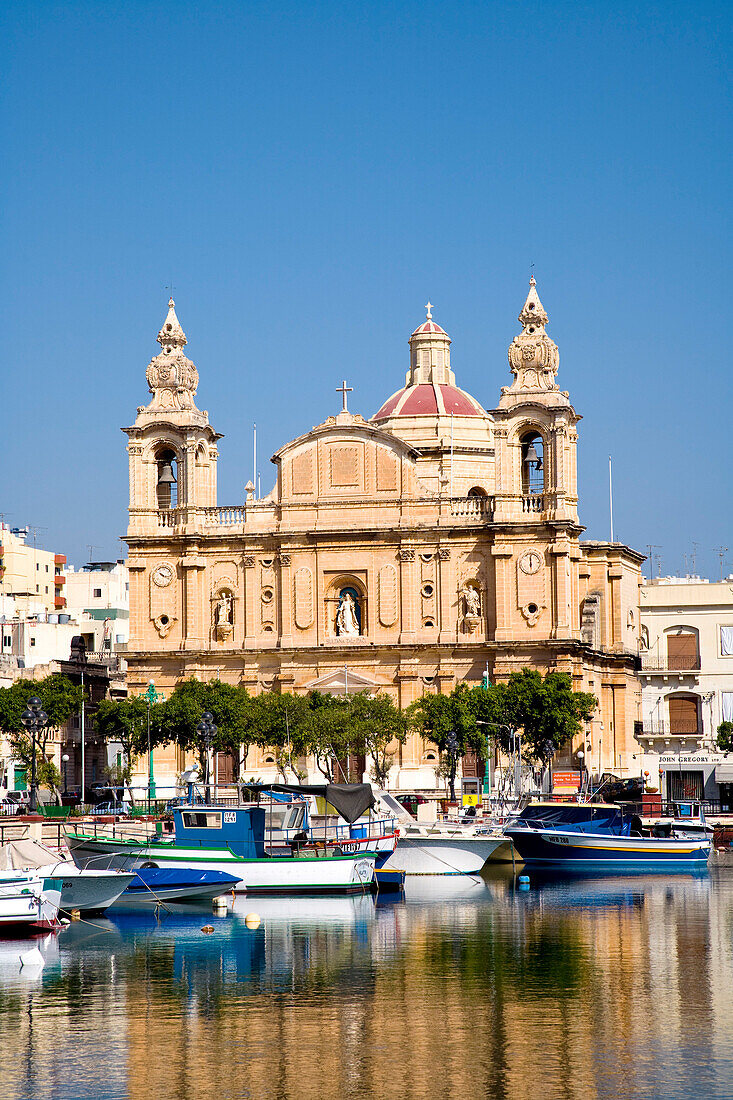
x=587, y=836
x=232, y=840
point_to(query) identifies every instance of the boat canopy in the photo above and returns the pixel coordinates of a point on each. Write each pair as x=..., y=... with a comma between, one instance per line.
x=349, y=800
x=582, y=816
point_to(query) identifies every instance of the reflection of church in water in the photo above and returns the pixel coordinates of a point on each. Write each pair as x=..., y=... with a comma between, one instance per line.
x=405, y=553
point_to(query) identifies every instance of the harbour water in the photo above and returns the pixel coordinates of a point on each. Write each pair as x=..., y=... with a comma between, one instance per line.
x=579, y=987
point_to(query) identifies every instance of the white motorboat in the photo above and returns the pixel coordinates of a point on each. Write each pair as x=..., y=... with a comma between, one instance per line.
x=29, y=900
x=86, y=891
x=428, y=850
x=440, y=847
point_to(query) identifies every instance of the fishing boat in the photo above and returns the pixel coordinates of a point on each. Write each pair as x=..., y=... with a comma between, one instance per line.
x=28, y=900
x=153, y=886
x=686, y=821
x=587, y=836
x=231, y=840
x=85, y=891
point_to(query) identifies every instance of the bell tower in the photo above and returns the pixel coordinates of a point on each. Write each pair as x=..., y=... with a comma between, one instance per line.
x=172, y=447
x=535, y=429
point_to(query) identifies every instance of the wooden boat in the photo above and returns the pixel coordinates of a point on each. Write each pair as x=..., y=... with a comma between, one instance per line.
x=590, y=836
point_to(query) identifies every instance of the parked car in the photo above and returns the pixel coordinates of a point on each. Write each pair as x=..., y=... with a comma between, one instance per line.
x=14, y=802
x=110, y=809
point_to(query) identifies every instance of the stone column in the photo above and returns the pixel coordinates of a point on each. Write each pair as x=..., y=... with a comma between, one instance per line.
x=561, y=590
x=286, y=600
x=505, y=613
x=615, y=618
x=408, y=594
x=193, y=616
x=249, y=622
x=447, y=592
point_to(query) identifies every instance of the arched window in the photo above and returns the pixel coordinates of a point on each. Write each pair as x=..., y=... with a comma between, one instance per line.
x=533, y=465
x=477, y=493
x=167, y=482
x=682, y=650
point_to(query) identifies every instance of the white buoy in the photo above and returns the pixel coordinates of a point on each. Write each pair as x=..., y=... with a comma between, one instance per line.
x=32, y=959
x=219, y=905
x=252, y=920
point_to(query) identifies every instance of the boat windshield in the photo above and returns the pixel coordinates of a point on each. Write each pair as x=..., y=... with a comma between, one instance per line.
x=587, y=816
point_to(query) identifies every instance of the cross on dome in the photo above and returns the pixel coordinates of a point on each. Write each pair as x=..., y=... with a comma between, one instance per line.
x=343, y=389
x=429, y=307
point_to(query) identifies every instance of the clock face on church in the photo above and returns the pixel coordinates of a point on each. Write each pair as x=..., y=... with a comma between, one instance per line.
x=530, y=562
x=163, y=575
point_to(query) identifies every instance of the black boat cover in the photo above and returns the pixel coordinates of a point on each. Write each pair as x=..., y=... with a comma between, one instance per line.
x=349, y=800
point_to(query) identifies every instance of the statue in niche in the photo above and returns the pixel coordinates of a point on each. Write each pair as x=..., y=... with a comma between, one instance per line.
x=223, y=615
x=347, y=622
x=471, y=602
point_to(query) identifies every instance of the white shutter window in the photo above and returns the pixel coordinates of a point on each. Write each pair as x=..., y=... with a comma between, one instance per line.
x=726, y=707
x=726, y=641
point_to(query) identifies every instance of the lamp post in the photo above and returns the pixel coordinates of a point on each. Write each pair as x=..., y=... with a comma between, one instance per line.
x=151, y=696
x=452, y=747
x=207, y=732
x=581, y=759
x=34, y=718
x=65, y=761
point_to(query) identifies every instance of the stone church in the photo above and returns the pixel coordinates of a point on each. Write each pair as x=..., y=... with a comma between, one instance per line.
x=406, y=553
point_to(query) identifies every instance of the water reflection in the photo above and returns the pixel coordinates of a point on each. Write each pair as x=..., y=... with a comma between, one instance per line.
x=581, y=987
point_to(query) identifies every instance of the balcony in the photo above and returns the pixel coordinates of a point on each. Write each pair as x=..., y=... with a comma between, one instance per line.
x=533, y=503
x=59, y=559
x=473, y=507
x=653, y=662
x=681, y=729
x=59, y=603
x=59, y=579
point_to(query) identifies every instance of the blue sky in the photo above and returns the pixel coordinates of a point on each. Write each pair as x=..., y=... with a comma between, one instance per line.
x=307, y=176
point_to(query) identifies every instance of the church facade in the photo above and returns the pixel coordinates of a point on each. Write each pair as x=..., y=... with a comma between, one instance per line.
x=407, y=553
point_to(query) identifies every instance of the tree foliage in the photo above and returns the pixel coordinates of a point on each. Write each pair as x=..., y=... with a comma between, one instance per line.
x=60, y=698
x=724, y=739
x=544, y=710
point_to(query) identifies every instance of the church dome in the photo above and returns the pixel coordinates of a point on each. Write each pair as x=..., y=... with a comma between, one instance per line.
x=430, y=399
x=430, y=385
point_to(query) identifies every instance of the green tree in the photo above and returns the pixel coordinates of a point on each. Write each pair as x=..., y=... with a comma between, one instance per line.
x=379, y=725
x=442, y=718
x=60, y=699
x=547, y=710
x=178, y=717
x=126, y=721
x=724, y=739
x=280, y=723
x=330, y=736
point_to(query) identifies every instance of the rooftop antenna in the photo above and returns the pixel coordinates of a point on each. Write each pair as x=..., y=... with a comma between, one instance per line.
x=254, y=455
x=651, y=547
x=721, y=551
x=91, y=547
x=693, y=559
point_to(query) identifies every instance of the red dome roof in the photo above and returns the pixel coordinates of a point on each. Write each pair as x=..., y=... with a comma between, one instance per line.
x=430, y=399
x=429, y=327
